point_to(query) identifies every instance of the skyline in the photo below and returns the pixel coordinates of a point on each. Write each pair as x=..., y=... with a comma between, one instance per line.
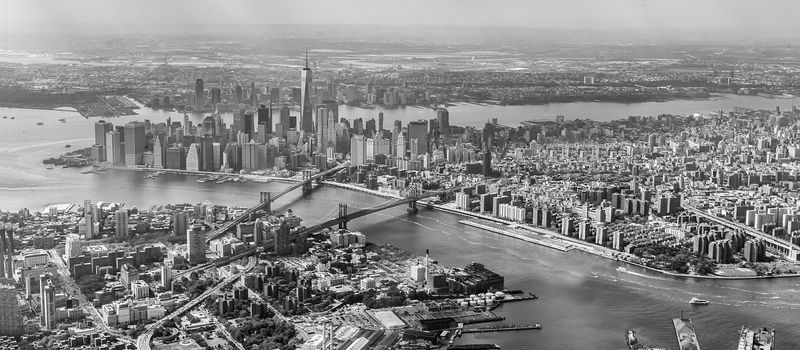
x=739, y=17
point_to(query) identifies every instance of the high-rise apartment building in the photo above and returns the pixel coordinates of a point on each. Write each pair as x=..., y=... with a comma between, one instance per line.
x=10, y=315
x=166, y=276
x=72, y=247
x=196, y=244
x=121, y=223
x=47, y=302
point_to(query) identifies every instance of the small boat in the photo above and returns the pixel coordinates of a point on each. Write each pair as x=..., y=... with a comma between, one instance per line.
x=698, y=301
x=13, y=117
x=630, y=338
x=5, y=117
x=68, y=146
x=39, y=123
x=62, y=120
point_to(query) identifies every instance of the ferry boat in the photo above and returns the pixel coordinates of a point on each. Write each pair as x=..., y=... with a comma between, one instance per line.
x=698, y=301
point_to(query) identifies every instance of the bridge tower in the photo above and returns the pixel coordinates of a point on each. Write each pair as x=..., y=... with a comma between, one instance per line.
x=266, y=199
x=343, y=213
x=412, y=207
x=307, y=183
x=413, y=191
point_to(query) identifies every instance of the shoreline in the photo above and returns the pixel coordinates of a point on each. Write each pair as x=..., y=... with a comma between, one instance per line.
x=570, y=242
x=574, y=243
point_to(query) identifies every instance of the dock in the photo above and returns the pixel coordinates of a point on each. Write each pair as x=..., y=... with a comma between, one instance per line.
x=502, y=328
x=474, y=347
x=530, y=296
x=684, y=330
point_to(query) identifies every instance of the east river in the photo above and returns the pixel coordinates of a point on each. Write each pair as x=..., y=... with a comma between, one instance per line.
x=585, y=302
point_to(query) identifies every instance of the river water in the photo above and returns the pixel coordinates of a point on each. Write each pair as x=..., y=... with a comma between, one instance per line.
x=585, y=301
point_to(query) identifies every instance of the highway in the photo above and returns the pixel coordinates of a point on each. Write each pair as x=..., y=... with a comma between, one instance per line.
x=143, y=342
x=784, y=246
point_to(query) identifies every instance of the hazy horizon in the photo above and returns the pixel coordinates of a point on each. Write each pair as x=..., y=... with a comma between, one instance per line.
x=724, y=17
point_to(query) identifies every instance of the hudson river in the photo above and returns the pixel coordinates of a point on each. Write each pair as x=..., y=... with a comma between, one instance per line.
x=585, y=301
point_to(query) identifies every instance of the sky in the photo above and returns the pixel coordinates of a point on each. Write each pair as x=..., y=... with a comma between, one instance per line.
x=740, y=16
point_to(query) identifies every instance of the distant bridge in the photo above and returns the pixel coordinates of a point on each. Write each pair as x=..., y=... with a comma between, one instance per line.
x=412, y=194
x=267, y=198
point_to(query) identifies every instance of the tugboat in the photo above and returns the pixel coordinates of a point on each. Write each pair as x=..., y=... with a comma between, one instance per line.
x=630, y=338
x=698, y=301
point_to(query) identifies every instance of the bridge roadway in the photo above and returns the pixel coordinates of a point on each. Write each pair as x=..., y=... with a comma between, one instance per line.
x=367, y=211
x=219, y=231
x=785, y=247
x=143, y=342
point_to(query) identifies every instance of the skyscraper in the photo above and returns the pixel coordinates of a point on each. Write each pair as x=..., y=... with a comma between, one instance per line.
x=283, y=126
x=159, y=153
x=358, y=150
x=380, y=121
x=47, y=301
x=121, y=223
x=193, y=160
x=10, y=315
x=306, y=109
x=72, y=247
x=180, y=223
x=237, y=94
x=102, y=127
x=238, y=121
x=443, y=119
x=196, y=244
x=419, y=130
x=115, y=152
x=166, y=276
x=134, y=143
x=249, y=127
x=3, y=252
x=265, y=117
x=216, y=96
x=207, y=154
x=487, y=162
x=253, y=95
x=281, y=239
x=400, y=146
x=199, y=95
x=275, y=96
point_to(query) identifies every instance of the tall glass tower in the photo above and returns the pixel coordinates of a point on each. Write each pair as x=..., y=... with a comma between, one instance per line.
x=306, y=109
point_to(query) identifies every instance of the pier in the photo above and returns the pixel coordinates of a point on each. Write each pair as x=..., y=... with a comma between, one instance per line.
x=502, y=328
x=684, y=330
